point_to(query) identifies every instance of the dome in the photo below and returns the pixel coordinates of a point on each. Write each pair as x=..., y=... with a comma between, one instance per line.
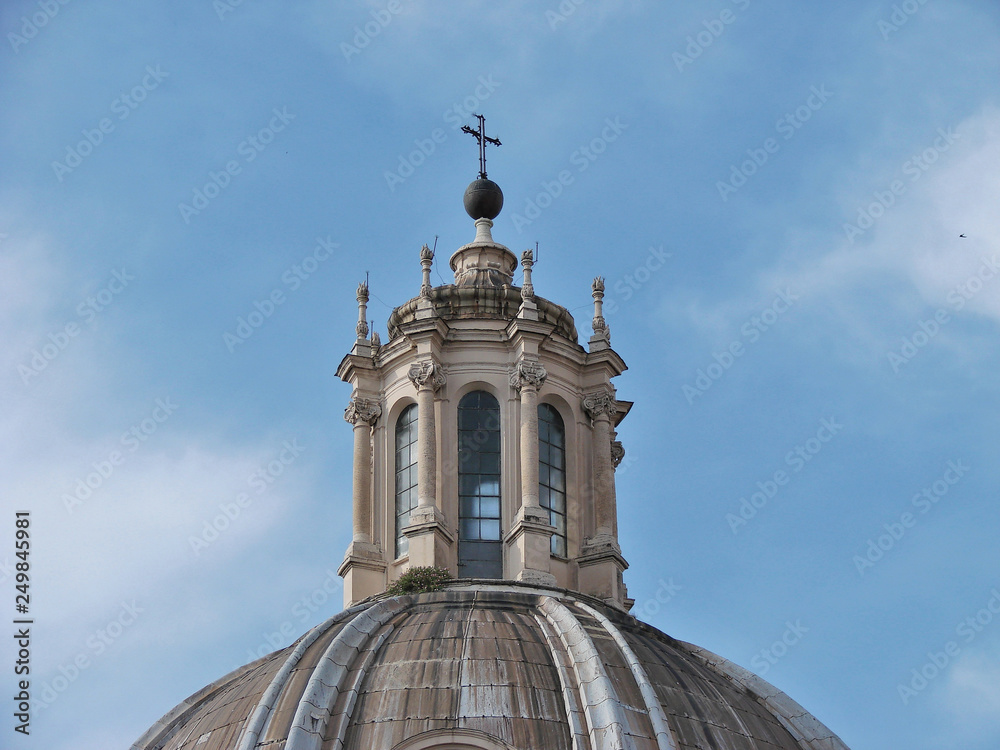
x=489, y=665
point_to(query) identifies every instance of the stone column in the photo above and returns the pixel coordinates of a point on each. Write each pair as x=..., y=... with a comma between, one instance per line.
x=601, y=562
x=527, y=377
x=362, y=413
x=363, y=569
x=601, y=407
x=430, y=540
x=528, y=541
x=428, y=377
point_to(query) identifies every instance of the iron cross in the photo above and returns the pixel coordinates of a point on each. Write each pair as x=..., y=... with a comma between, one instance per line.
x=483, y=139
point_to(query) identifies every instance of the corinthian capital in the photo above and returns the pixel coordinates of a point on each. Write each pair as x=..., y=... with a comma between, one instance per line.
x=600, y=403
x=527, y=372
x=362, y=410
x=427, y=374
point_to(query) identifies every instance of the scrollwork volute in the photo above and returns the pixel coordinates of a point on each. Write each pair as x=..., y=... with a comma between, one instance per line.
x=363, y=410
x=602, y=403
x=527, y=373
x=617, y=452
x=427, y=374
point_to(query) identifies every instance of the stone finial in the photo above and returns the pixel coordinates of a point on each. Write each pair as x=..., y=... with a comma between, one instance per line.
x=527, y=372
x=426, y=259
x=376, y=340
x=599, y=325
x=602, y=402
x=362, y=410
x=362, y=326
x=527, y=261
x=427, y=374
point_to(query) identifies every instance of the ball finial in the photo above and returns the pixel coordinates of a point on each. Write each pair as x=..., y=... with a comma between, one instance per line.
x=483, y=199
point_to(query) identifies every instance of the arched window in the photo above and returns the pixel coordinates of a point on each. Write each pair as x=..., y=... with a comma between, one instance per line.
x=480, y=551
x=406, y=473
x=552, y=473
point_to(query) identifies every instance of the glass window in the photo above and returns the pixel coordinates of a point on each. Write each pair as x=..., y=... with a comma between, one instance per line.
x=406, y=473
x=480, y=553
x=551, y=476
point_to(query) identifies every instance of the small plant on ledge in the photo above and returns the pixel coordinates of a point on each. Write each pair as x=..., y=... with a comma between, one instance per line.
x=419, y=580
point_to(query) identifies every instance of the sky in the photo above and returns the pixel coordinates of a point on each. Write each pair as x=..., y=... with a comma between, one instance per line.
x=794, y=206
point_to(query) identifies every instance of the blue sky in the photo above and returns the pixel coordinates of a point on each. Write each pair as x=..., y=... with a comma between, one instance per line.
x=776, y=193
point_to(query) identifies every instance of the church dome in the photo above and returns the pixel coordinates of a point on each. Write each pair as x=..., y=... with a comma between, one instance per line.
x=492, y=665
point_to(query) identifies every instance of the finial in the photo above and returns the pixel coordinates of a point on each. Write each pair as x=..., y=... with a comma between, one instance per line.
x=599, y=325
x=483, y=139
x=426, y=259
x=362, y=327
x=527, y=261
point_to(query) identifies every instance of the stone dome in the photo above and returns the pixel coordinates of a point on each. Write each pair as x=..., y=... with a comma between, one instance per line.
x=490, y=665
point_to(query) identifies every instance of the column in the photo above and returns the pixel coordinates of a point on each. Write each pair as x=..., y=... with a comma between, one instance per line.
x=601, y=407
x=430, y=540
x=527, y=377
x=428, y=377
x=362, y=413
x=363, y=569
x=528, y=542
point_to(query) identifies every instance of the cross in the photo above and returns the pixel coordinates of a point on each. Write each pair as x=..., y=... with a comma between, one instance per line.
x=483, y=139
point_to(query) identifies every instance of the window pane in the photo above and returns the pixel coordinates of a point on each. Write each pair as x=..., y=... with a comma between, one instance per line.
x=557, y=480
x=489, y=507
x=469, y=507
x=468, y=484
x=489, y=485
x=559, y=545
x=490, y=529
x=543, y=496
x=469, y=528
x=490, y=463
x=558, y=502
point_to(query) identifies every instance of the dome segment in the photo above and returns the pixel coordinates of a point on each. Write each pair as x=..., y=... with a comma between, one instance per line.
x=500, y=666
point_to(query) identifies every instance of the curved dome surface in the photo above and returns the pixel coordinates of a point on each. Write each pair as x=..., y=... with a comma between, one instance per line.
x=490, y=666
